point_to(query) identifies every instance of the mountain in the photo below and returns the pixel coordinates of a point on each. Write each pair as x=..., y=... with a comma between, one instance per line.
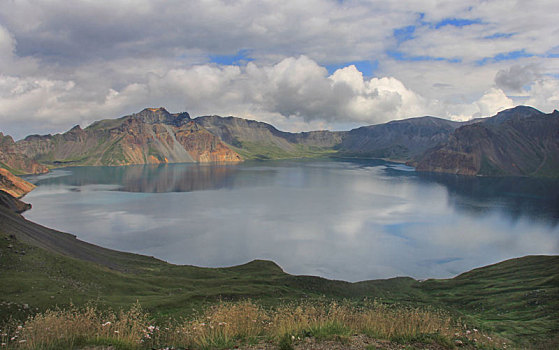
x=16, y=162
x=258, y=140
x=397, y=140
x=151, y=136
x=520, y=142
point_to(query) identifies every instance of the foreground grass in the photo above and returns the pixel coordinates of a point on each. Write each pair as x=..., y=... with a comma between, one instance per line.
x=228, y=325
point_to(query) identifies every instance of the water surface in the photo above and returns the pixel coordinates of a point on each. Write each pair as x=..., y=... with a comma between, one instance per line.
x=349, y=220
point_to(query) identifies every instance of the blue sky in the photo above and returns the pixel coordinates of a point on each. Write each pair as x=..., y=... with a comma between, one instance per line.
x=298, y=65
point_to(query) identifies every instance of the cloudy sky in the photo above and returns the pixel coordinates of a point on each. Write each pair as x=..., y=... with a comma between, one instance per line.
x=300, y=65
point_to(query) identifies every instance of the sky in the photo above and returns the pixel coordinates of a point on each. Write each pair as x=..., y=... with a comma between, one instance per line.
x=299, y=65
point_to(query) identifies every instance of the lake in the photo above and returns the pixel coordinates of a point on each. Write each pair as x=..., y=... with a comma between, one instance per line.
x=348, y=220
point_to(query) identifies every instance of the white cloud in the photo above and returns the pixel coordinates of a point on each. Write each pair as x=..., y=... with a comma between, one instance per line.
x=492, y=102
x=545, y=94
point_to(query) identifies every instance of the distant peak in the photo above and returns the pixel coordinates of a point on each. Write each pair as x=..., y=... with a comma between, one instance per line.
x=161, y=115
x=518, y=112
x=151, y=110
x=160, y=109
x=521, y=108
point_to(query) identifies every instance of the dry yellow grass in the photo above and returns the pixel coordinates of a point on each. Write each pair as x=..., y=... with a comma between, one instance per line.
x=226, y=324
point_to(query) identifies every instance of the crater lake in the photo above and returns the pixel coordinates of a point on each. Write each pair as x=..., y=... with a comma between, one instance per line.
x=349, y=220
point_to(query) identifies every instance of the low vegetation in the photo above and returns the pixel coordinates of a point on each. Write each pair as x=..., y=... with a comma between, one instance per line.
x=228, y=325
x=262, y=151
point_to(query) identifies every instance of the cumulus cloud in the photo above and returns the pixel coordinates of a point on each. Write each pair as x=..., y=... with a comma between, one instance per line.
x=297, y=88
x=545, y=94
x=492, y=102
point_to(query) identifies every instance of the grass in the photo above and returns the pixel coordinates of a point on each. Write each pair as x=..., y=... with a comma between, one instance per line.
x=11, y=170
x=263, y=151
x=227, y=325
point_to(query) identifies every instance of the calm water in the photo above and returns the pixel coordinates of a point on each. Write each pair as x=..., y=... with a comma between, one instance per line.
x=337, y=219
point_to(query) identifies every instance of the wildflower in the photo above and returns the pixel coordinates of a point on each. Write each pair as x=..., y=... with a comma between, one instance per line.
x=3, y=344
x=202, y=324
x=151, y=328
x=117, y=332
x=468, y=332
x=19, y=327
x=22, y=341
x=108, y=323
x=475, y=330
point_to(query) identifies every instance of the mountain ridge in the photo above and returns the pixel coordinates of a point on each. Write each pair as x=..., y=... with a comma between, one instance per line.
x=151, y=136
x=520, y=141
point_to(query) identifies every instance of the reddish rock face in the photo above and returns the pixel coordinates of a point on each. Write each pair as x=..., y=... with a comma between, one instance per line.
x=204, y=146
x=152, y=136
x=16, y=161
x=13, y=185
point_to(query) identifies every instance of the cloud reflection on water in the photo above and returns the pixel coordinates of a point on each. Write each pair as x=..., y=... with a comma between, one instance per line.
x=343, y=220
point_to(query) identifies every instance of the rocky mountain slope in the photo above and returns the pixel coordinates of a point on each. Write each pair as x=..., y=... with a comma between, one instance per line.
x=258, y=140
x=151, y=136
x=520, y=142
x=14, y=185
x=16, y=162
x=397, y=140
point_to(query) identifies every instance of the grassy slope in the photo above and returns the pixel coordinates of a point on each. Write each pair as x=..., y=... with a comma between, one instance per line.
x=262, y=151
x=518, y=298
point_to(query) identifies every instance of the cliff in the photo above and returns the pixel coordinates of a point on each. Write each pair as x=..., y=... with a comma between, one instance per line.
x=151, y=136
x=16, y=162
x=12, y=204
x=517, y=142
x=14, y=185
